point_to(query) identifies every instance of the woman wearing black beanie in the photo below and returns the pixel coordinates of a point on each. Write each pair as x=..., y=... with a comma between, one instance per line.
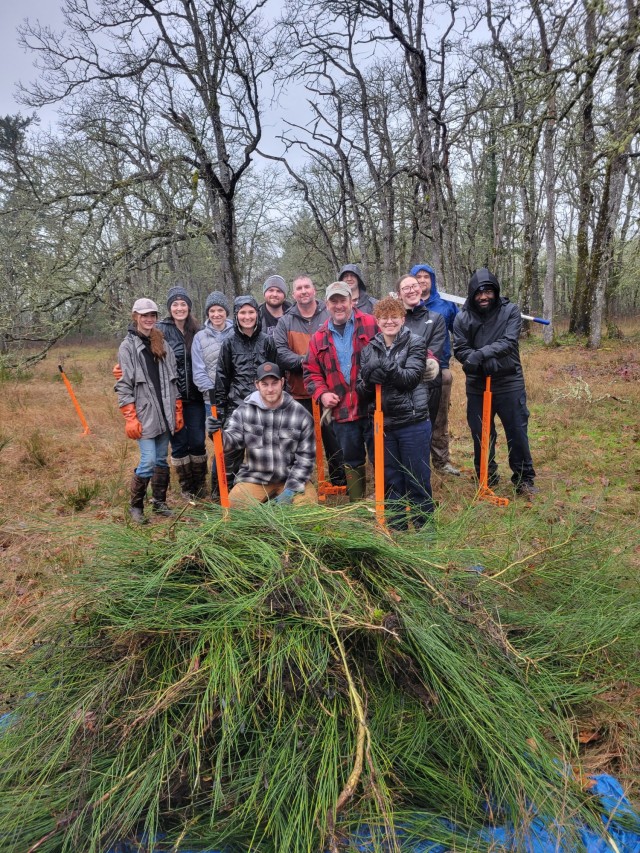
x=188, y=452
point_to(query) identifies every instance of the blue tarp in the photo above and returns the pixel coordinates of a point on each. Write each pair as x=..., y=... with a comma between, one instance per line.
x=542, y=836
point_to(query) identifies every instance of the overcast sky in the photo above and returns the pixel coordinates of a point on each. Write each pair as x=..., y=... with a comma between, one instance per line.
x=16, y=63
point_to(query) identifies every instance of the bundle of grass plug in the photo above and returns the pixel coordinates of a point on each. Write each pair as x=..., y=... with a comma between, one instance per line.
x=271, y=682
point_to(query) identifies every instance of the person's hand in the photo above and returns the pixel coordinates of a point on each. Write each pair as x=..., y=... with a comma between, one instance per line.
x=490, y=366
x=132, y=427
x=213, y=425
x=378, y=376
x=329, y=400
x=117, y=372
x=431, y=370
x=285, y=497
x=475, y=358
x=179, y=416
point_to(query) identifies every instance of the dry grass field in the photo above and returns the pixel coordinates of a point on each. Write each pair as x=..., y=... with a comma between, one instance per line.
x=56, y=482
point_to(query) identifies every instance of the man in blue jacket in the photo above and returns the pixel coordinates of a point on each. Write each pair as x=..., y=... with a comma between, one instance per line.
x=440, y=455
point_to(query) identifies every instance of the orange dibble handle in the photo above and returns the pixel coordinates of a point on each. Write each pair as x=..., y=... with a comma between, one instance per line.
x=74, y=401
x=221, y=471
x=484, y=492
x=319, y=460
x=378, y=456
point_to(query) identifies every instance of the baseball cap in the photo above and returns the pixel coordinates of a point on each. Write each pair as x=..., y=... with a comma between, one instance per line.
x=268, y=369
x=145, y=306
x=337, y=288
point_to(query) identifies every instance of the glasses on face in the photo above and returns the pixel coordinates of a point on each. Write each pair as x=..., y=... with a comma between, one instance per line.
x=408, y=288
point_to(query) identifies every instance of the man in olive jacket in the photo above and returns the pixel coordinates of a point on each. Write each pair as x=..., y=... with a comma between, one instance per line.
x=485, y=341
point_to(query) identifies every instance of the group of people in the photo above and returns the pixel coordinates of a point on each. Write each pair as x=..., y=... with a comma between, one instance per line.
x=253, y=371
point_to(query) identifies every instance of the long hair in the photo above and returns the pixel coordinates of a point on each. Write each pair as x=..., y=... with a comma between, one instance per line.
x=191, y=326
x=156, y=338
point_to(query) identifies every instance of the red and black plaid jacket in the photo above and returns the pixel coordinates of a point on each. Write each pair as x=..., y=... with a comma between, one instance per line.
x=321, y=368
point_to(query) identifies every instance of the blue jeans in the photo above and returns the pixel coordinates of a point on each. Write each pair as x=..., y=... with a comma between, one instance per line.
x=356, y=440
x=153, y=454
x=407, y=474
x=190, y=440
x=511, y=408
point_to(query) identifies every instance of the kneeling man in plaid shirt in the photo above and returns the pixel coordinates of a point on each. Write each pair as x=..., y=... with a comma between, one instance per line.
x=278, y=438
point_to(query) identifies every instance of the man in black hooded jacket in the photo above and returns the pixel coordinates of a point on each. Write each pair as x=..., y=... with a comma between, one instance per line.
x=485, y=341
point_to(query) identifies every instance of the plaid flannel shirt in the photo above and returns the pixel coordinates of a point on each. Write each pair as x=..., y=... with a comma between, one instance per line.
x=279, y=444
x=321, y=368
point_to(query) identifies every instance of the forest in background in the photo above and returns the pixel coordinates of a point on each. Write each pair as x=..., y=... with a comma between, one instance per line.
x=214, y=143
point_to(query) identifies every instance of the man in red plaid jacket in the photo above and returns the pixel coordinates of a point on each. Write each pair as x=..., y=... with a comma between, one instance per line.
x=330, y=371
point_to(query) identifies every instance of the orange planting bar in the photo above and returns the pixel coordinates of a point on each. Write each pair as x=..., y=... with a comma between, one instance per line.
x=221, y=471
x=378, y=456
x=75, y=402
x=324, y=486
x=484, y=492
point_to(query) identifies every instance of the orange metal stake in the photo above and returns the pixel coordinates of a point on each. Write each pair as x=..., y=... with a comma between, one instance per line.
x=484, y=492
x=221, y=471
x=378, y=456
x=83, y=420
x=324, y=486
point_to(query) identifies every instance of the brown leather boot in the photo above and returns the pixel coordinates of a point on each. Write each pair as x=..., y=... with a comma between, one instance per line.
x=138, y=492
x=159, y=486
x=199, y=475
x=185, y=477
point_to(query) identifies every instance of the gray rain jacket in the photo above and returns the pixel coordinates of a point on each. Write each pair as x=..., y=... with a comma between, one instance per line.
x=136, y=386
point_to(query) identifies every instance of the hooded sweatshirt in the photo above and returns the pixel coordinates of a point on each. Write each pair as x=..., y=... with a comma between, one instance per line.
x=441, y=306
x=494, y=335
x=364, y=302
x=279, y=443
x=239, y=359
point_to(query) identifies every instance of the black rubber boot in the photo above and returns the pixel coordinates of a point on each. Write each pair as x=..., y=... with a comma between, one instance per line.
x=199, y=475
x=159, y=486
x=138, y=492
x=185, y=478
x=356, y=483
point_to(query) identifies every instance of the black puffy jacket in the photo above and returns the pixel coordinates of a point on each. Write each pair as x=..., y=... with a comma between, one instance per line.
x=174, y=337
x=490, y=340
x=240, y=356
x=431, y=327
x=405, y=397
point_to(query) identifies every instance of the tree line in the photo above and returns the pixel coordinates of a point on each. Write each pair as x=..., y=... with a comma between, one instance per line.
x=215, y=142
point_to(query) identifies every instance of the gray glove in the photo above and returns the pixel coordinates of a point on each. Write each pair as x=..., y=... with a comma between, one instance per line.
x=213, y=425
x=431, y=369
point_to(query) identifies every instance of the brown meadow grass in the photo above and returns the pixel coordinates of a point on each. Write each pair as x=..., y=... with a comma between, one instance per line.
x=585, y=440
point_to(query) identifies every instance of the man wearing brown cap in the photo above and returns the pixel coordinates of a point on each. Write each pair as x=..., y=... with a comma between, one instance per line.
x=277, y=436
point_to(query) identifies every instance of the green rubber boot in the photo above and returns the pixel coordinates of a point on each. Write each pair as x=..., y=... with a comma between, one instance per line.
x=356, y=483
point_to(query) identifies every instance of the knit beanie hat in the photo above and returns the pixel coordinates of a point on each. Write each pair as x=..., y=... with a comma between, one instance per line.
x=178, y=292
x=216, y=297
x=275, y=281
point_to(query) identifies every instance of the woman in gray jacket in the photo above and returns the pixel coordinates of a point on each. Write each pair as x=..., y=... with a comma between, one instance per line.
x=148, y=398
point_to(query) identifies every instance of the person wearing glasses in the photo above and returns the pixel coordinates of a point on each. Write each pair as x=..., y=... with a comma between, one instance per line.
x=428, y=325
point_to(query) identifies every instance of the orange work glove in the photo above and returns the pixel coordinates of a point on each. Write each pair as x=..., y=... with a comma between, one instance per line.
x=133, y=427
x=179, y=416
x=117, y=371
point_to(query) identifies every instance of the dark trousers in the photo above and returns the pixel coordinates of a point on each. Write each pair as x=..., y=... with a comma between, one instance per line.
x=332, y=449
x=511, y=408
x=356, y=440
x=407, y=474
x=435, y=392
x=190, y=440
